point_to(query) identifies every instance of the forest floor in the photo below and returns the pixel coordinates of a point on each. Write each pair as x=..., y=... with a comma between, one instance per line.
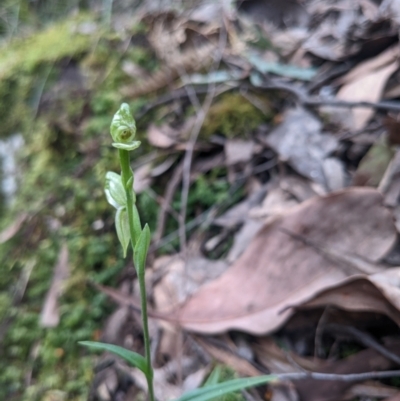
x=269, y=174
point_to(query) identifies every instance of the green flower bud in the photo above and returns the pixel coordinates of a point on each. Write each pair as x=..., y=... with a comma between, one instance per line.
x=123, y=129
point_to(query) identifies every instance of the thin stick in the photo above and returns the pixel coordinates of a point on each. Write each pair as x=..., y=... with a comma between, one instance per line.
x=187, y=162
x=366, y=340
x=307, y=100
x=351, y=377
x=168, y=196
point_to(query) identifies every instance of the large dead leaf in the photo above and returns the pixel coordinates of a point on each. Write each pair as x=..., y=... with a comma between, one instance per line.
x=278, y=270
x=379, y=293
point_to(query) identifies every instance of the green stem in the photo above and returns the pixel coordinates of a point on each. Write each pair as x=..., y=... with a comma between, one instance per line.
x=126, y=177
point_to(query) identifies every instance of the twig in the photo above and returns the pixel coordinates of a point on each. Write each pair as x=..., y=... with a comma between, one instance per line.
x=213, y=210
x=299, y=92
x=307, y=100
x=187, y=162
x=181, y=93
x=319, y=331
x=351, y=377
x=168, y=196
x=155, y=344
x=366, y=340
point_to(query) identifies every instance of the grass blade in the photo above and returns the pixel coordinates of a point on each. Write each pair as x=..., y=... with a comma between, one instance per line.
x=133, y=358
x=220, y=389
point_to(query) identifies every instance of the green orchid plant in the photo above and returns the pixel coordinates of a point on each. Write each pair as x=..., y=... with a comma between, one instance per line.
x=120, y=194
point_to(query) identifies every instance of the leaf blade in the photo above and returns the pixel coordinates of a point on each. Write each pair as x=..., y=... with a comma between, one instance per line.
x=220, y=389
x=133, y=358
x=141, y=249
x=122, y=227
x=114, y=190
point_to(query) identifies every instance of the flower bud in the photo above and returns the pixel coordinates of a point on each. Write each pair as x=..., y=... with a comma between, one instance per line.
x=123, y=129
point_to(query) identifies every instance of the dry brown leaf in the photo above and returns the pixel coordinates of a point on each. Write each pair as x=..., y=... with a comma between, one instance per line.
x=277, y=270
x=299, y=141
x=238, y=151
x=196, y=379
x=50, y=315
x=277, y=201
x=369, y=9
x=164, y=390
x=241, y=366
x=162, y=136
x=396, y=397
x=357, y=294
x=163, y=166
x=243, y=238
x=182, y=279
x=371, y=65
x=284, y=392
x=367, y=88
x=379, y=293
x=275, y=359
x=142, y=178
x=334, y=172
x=300, y=188
x=238, y=213
x=330, y=38
x=372, y=390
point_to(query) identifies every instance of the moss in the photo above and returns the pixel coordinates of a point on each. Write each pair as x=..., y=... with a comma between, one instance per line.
x=233, y=115
x=23, y=65
x=59, y=40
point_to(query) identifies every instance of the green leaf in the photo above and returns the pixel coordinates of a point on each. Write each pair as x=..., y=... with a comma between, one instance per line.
x=127, y=146
x=141, y=248
x=214, y=376
x=115, y=191
x=220, y=389
x=133, y=358
x=137, y=225
x=122, y=226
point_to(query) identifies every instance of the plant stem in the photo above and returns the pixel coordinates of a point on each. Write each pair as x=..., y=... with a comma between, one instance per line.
x=146, y=336
x=126, y=176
